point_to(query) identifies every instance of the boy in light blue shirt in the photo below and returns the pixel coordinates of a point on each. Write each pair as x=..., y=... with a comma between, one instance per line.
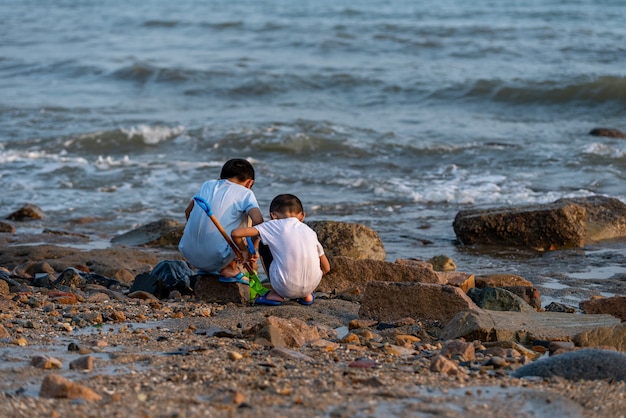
x=233, y=203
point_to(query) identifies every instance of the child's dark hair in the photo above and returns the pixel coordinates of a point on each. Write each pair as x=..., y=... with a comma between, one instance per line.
x=286, y=203
x=239, y=168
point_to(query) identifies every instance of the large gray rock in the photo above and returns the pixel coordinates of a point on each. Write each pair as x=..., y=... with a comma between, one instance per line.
x=606, y=217
x=543, y=227
x=391, y=301
x=164, y=232
x=523, y=327
x=588, y=364
x=566, y=223
x=349, y=274
x=349, y=239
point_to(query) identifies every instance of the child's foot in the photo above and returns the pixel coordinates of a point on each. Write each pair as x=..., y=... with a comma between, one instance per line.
x=270, y=298
x=237, y=278
x=307, y=301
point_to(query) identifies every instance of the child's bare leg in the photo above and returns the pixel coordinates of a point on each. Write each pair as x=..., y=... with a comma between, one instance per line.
x=230, y=270
x=308, y=298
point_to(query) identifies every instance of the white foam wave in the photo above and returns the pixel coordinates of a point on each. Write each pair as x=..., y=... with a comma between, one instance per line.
x=106, y=163
x=153, y=134
x=464, y=188
x=604, y=150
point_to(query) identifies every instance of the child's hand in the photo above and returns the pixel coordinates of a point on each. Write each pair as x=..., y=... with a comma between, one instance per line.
x=245, y=256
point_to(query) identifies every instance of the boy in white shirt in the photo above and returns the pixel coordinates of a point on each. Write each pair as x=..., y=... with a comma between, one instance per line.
x=298, y=258
x=232, y=202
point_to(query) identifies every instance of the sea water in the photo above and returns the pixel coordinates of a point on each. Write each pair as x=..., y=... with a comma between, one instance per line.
x=394, y=114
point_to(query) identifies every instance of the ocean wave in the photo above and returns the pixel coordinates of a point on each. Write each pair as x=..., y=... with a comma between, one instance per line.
x=604, y=150
x=123, y=140
x=600, y=90
x=303, y=138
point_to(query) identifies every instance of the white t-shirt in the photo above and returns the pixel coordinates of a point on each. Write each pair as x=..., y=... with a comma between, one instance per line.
x=295, y=271
x=202, y=244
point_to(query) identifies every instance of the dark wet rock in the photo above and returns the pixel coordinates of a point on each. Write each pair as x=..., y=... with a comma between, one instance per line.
x=525, y=327
x=26, y=212
x=497, y=299
x=559, y=307
x=164, y=232
x=589, y=364
x=615, y=306
x=73, y=277
x=542, y=227
x=391, y=301
x=608, y=132
x=614, y=337
x=42, y=280
x=70, y=277
x=349, y=240
x=7, y=228
x=348, y=274
x=101, y=280
x=5, y=276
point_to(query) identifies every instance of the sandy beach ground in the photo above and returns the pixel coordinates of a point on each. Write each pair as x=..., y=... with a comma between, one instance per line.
x=182, y=357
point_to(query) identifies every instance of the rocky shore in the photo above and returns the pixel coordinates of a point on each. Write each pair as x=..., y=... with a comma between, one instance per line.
x=76, y=341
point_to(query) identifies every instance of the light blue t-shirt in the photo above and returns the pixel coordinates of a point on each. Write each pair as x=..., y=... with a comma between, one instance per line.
x=202, y=244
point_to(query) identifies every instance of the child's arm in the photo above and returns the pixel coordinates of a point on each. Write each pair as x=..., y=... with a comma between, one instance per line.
x=324, y=264
x=256, y=216
x=188, y=209
x=239, y=233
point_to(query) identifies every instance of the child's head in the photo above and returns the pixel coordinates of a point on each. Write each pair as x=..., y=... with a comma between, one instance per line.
x=238, y=169
x=286, y=206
